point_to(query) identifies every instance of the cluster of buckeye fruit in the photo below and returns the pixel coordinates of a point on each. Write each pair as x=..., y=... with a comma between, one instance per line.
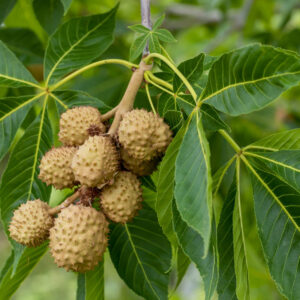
x=100, y=167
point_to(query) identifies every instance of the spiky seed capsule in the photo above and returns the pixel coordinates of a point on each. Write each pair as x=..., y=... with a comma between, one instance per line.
x=138, y=166
x=55, y=167
x=76, y=122
x=122, y=200
x=78, y=238
x=96, y=161
x=143, y=134
x=30, y=223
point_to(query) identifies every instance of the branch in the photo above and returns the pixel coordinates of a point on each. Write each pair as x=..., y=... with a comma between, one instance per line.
x=146, y=20
x=55, y=210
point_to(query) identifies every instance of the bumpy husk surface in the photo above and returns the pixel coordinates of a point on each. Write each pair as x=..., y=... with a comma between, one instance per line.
x=121, y=201
x=79, y=238
x=30, y=223
x=143, y=134
x=96, y=161
x=55, y=167
x=76, y=122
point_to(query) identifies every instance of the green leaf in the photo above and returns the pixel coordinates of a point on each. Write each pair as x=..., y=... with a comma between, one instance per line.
x=193, y=190
x=284, y=164
x=193, y=246
x=5, y=7
x=66, y=4
x=12, y=72
x=285, y=140
x=192, y=69
x=174, y=118
x=158, y=22
x=49, y=13
x=165, y=36
x=68, y=99
x=139, y=28
x=211, y=119
x=90, y=285
x=249, y=78
x=77, y=43
x=138, y=46
x=239, y=243
x=141, y=255
x=277, y=214
x=12, y=114
x=10, y=282
x=24, y=43
x=165, y=186
x=154, y=45
x=182, y=264
x=227, y=279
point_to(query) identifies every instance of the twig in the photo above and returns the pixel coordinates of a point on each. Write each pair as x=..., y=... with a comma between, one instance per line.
x=55, y=210
x=109, y=114
x=146, y=20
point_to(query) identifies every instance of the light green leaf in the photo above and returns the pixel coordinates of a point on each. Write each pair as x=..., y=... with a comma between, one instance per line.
x=182, y=264
x=12, y=72
x=165, y=186
x=13, y=111
x=141, y=255
x=165, y=36
x=154, y=45
x=239, y=242
x=77, y=43
x=138, y=46
x=227, y=279
x=90, y=285
x=10, y=282
x=193, y=190
x=158, y=22
x=277, y=214
x=250, y=78
x=193, y=246
x=285, y=140
x=139, y=28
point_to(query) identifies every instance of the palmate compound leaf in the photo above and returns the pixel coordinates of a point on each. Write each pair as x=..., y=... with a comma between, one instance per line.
x=193, y=246
x=19, y=183
x=141, y=255
x=193, y=183
x=277, y=213
x=90, y=285
x=77, y=43
x=12, y=72
x=13, y=111
x=249, y=78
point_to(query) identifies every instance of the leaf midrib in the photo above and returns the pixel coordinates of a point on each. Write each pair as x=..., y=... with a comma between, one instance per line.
x=139, y=261
x=73, y=46
x=245, y=83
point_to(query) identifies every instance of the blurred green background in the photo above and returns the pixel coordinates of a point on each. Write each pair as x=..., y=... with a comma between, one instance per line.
x=210, y=26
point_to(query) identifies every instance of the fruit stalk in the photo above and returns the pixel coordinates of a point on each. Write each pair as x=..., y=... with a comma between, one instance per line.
x=55, y=210
x=127, y=101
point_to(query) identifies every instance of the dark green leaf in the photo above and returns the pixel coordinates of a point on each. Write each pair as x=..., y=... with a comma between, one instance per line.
x=66, y=4
x=5, y=7
x=138, y=46
x=77, y=43
x=249, y=78
x=165, y=36
x=154, y=45
x=142, y=255
x=158, y=22
x=12, y=72
x=182, y=263
x=13, y=111
x=193, y=190
x=49, y=13
x=193, y=246
x=90, y=285
x=278, y=217
x=139, y=28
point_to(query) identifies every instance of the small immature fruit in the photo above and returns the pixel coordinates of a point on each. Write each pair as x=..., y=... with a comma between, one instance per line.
x=78, y=238
x=30, y=223
x=122, y=200
x=138, y=166
x=55, y=167
x=75, y=124
x=143, y=134
x=96, y=161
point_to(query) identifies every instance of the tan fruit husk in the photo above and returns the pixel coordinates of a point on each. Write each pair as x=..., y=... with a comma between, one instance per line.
x=121, y=201
x=143, y=134
x=30, y=223
x=75, y=124
x=96, y=161
x=55, y=167
x=78, y=239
